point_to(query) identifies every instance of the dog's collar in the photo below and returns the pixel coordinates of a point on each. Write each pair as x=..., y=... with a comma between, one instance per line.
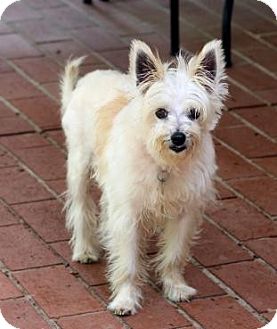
x=163, y=175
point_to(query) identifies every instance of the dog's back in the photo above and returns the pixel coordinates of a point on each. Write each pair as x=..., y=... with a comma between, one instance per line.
x=99, y=96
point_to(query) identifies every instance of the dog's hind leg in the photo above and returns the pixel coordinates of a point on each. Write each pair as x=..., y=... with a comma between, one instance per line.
x=175, y=244
x=81, y=213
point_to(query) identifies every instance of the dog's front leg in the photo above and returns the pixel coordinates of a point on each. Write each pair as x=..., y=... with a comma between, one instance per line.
x=175, y=243
x=122, y=241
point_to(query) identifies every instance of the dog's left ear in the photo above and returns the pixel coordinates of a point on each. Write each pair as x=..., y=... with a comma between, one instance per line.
x=209, y=68
x=145, y=67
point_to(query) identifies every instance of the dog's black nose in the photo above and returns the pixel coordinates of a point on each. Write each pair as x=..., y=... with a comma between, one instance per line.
x=178, y=138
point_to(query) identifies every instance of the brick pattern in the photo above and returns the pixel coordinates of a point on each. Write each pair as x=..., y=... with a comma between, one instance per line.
x=234, y=263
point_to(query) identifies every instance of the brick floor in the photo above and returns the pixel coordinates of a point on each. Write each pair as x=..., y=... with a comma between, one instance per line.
x=8, y=290
x=21, y=314
x=213, y=312
x=99, y=320
x=234, y=262
x=28, y=251
x=241, y=277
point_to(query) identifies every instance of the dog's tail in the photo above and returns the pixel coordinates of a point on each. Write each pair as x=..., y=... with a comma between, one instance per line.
x=69, y=80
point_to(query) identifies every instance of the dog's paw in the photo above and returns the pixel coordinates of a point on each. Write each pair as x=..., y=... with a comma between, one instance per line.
x=122, y=309
x=87, y=257
x=179, y=292
x=126, y=302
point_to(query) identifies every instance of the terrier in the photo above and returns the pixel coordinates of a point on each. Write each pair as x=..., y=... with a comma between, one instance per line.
x=146, y=137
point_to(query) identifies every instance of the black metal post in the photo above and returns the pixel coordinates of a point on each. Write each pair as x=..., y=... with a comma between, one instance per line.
x=174, y=26
x=226, y=30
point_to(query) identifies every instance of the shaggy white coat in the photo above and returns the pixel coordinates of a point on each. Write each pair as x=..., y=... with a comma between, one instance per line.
x=112, y=130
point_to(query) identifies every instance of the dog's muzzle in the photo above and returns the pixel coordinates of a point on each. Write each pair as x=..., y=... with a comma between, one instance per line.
x=178, y=141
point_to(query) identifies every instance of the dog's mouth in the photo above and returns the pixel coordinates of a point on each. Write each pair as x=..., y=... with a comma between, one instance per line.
x=177, y=149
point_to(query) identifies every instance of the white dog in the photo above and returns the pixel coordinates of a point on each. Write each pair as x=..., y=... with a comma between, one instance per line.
x=146, y=136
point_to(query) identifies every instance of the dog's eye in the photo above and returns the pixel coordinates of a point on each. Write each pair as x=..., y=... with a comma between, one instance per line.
x=193, y=114
x=161, y=113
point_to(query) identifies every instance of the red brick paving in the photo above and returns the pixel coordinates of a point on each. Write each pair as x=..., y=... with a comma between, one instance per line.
x=220, y=312
x=7, y=289
x=223, y=193
x=57, y=291
x=40, y=69
x=269, y=315
x=59, y=185
x=260, y=190
x=14, y=86
x=233, y=166
x=36, y=214
x=205, y=287
x=95, y=277
x=18, y=186
x=14, y=123
x=269, y=164
x=24, y=141
x=266, y=248
x=237, y=218
x=269, y=95
x=15, y=46
x=241, y=98
x=242, y=276
x=260, y=117
x=21, y=314
x=256, y=146
x=28, y=251
x=232, y=268
x=223, y=251
x=37, y=160
x=99, y=320
x=6, y=160
x=7, y=217
x=48, y=118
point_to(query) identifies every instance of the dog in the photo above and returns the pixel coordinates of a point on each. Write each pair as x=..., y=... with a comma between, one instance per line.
x=145, y=138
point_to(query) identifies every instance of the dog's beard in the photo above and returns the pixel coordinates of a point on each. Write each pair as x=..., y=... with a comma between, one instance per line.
x=162, y=150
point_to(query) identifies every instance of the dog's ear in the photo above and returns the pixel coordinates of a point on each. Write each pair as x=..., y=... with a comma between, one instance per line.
x=209, y=68
x=145, y=67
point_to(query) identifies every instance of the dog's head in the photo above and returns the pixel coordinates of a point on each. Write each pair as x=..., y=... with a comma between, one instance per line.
x=181, y=100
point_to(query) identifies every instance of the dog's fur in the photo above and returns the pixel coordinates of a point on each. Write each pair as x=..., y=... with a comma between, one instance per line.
x=109, y=119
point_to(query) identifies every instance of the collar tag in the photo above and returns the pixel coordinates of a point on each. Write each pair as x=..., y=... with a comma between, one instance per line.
x=163, y=176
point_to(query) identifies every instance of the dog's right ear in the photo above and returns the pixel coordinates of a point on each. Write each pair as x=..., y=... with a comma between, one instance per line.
x=145, y=67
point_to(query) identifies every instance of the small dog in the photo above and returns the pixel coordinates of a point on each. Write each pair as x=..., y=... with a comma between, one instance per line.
x=146, y=136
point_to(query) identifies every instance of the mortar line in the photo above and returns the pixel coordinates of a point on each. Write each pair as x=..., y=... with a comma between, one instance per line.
x=258, y=13
x=26, y=296
x=230, y=292
x=10, y=106
x=242, y=197
x=31, y=80
x=235, y=108
x=240, y=155
x=241, y=86
x=186, y=315
x=252, y=126
x=238, y=242
x=54, y=143
x=259, y=66
x=28, y=170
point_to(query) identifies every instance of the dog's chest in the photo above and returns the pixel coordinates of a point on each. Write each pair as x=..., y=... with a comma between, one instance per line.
x=163, y=195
